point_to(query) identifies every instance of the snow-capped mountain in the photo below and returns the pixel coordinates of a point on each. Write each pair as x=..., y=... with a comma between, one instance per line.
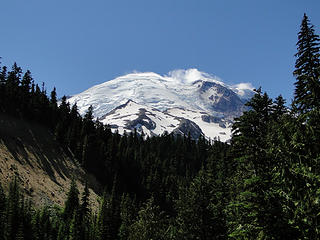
x=181, y=102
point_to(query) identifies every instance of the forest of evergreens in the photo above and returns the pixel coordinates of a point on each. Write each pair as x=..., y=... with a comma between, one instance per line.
x=263, y=184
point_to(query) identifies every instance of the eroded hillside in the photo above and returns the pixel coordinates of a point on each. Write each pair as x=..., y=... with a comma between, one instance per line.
x=29, y=153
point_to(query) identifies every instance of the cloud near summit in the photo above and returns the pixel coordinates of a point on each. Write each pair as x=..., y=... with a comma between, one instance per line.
x=191, y=75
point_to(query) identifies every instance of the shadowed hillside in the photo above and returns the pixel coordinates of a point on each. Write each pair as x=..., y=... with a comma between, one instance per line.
x=29, y=153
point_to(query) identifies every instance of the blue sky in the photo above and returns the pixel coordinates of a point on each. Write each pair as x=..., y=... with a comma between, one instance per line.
x=76, y=44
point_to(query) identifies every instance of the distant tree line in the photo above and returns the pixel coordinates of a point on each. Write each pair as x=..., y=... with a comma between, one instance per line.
x=264, y=184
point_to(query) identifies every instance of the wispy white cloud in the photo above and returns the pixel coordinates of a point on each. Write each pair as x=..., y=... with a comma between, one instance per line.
x=187, y=76
x=243, y=86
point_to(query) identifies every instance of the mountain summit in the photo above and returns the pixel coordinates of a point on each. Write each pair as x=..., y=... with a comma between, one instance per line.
x=183, y=102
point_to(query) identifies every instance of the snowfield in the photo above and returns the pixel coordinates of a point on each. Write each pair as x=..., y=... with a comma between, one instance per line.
x=156, y=103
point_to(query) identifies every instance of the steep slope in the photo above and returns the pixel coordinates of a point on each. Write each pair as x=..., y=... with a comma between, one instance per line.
x=182, y=101
x=44, y=171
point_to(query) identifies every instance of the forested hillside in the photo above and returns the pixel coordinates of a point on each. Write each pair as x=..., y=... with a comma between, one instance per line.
x=264, y=184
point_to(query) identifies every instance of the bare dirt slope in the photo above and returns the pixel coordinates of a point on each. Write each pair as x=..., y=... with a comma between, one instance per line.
x=29, y=152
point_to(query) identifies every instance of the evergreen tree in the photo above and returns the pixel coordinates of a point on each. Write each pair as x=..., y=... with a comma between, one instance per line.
x=307, y=69
x=26, y=82
x=3, y=75
x=85, y=205
x=75, y=226
x=105, y=217
x=14, y=76
x=84, y=214
x=200, y=210
x=304, y=150
x=27, y=211
x=254, y=201
x=109, y=218
x=63, y=121
x=3, y=80
x=88, y=124
x=250, y=129
x=13, y=211
x=53, y=97
x=127, y=214
x=72, y=203
x=279, y=108
x=151, y=223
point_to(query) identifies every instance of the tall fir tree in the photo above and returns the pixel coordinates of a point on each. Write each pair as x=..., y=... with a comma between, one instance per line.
x=72, y=202
x=307, y=69
x=254, y=204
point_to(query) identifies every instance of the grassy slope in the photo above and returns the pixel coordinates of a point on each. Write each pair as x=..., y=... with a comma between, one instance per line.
x=44, y=171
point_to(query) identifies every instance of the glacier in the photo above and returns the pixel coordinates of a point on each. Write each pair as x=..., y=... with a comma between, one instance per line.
x=154, y=103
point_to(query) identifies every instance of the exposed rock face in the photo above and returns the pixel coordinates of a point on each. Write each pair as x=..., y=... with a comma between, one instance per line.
x=141, y=120
x=187, y=127
x=221, y=99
